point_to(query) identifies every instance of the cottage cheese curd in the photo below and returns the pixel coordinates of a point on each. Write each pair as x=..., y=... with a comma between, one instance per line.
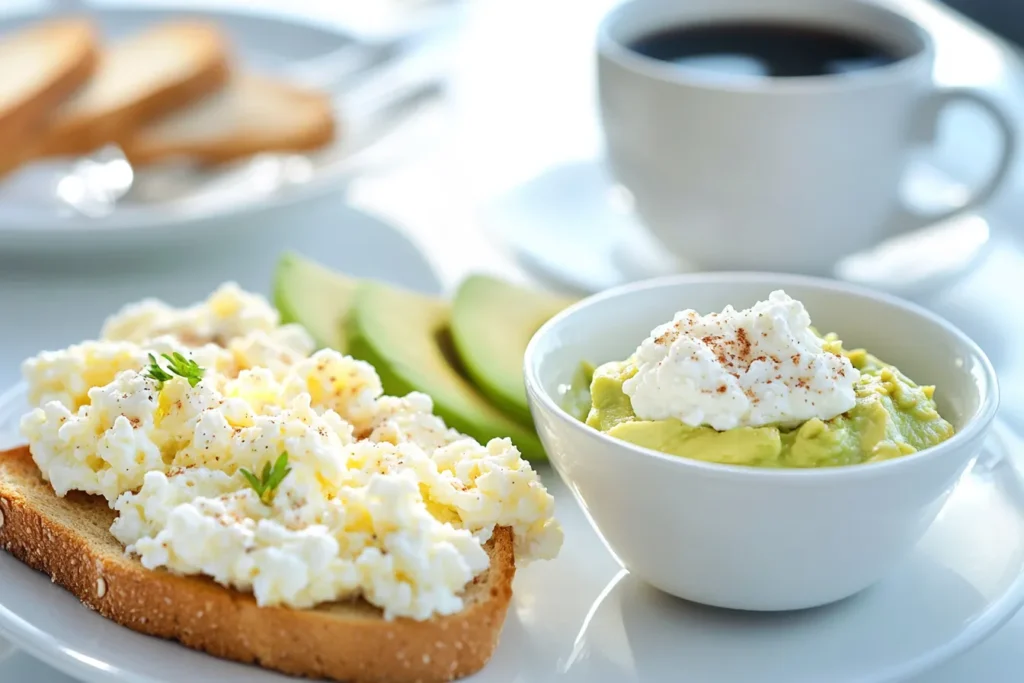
x=230, y=332
x=760, y=366
x=382, y=500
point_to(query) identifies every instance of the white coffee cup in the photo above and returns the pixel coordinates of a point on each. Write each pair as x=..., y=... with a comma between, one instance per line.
x=789, y=173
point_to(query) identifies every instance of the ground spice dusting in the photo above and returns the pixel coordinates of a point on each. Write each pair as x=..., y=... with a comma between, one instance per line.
x=767, y=359
x=667, y=337
x=734, y=351
x=741, y=336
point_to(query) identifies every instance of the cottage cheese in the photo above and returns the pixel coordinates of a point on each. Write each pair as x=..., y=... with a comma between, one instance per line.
x=230, y=332
x=227, y=314
x=760, y=366
x=382, y=500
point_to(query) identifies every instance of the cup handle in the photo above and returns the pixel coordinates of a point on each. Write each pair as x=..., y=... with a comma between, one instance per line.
x=924, y=129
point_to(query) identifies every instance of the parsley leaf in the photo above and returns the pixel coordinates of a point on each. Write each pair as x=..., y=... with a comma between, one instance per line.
x=185, y=367
x=178, y=365
x=266, y=484
x=157, y=373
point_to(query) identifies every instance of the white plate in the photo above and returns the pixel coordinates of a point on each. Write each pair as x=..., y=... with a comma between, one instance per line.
x=166, y=205
x=581, y=619
x=575, y=208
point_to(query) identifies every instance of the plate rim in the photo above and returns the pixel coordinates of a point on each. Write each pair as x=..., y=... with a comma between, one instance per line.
x=998, y=611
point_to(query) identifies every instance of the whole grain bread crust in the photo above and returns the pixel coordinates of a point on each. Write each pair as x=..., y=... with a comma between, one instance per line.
x=64, y=537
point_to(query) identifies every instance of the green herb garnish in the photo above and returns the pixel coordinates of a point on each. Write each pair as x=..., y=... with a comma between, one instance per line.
x=157, y=373
x=266, y=484
x=178, y=365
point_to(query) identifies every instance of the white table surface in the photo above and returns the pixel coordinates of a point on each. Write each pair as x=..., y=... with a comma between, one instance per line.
x=522, y=99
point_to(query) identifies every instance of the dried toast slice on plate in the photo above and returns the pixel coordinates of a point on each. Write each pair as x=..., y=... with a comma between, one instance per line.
x=139, y=78
x=252, y=114
x=43, y=65
x=69, y=539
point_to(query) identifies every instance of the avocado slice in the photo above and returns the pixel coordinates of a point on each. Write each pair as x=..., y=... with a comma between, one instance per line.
x=314, y=296
x=492, y=322
x=406, y=336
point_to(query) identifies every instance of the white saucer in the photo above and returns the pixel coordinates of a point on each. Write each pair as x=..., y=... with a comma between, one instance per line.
x=571, y=226
x=580, y=619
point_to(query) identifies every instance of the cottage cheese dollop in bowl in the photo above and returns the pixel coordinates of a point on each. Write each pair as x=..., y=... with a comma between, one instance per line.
x=758, y=441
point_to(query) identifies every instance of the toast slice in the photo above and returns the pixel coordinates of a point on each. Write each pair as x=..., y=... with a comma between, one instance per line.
x=140, y=78
x=69, y=539
x=252, y=114
x=43, y=65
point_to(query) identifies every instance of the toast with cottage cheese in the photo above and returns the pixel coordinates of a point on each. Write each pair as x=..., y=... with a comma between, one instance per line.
x=69, y=539
x=43, y=65
x=139, y=78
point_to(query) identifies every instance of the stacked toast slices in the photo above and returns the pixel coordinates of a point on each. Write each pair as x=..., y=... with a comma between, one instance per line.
x=168, y=91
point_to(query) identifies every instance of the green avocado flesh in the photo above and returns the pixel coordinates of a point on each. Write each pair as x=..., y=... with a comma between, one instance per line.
x=406, y=336
x=316, y=297
x=893, y=417
x=492, y=322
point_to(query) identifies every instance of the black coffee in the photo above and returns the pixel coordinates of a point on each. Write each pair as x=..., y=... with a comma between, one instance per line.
x=765, y=49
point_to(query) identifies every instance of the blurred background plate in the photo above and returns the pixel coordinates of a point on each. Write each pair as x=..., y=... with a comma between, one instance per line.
x=172, y=202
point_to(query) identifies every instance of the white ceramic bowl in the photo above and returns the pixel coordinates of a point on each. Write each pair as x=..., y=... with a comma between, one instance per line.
x=744, y=537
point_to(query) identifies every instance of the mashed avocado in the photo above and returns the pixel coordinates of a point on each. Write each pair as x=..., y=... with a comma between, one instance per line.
x=893, y=416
